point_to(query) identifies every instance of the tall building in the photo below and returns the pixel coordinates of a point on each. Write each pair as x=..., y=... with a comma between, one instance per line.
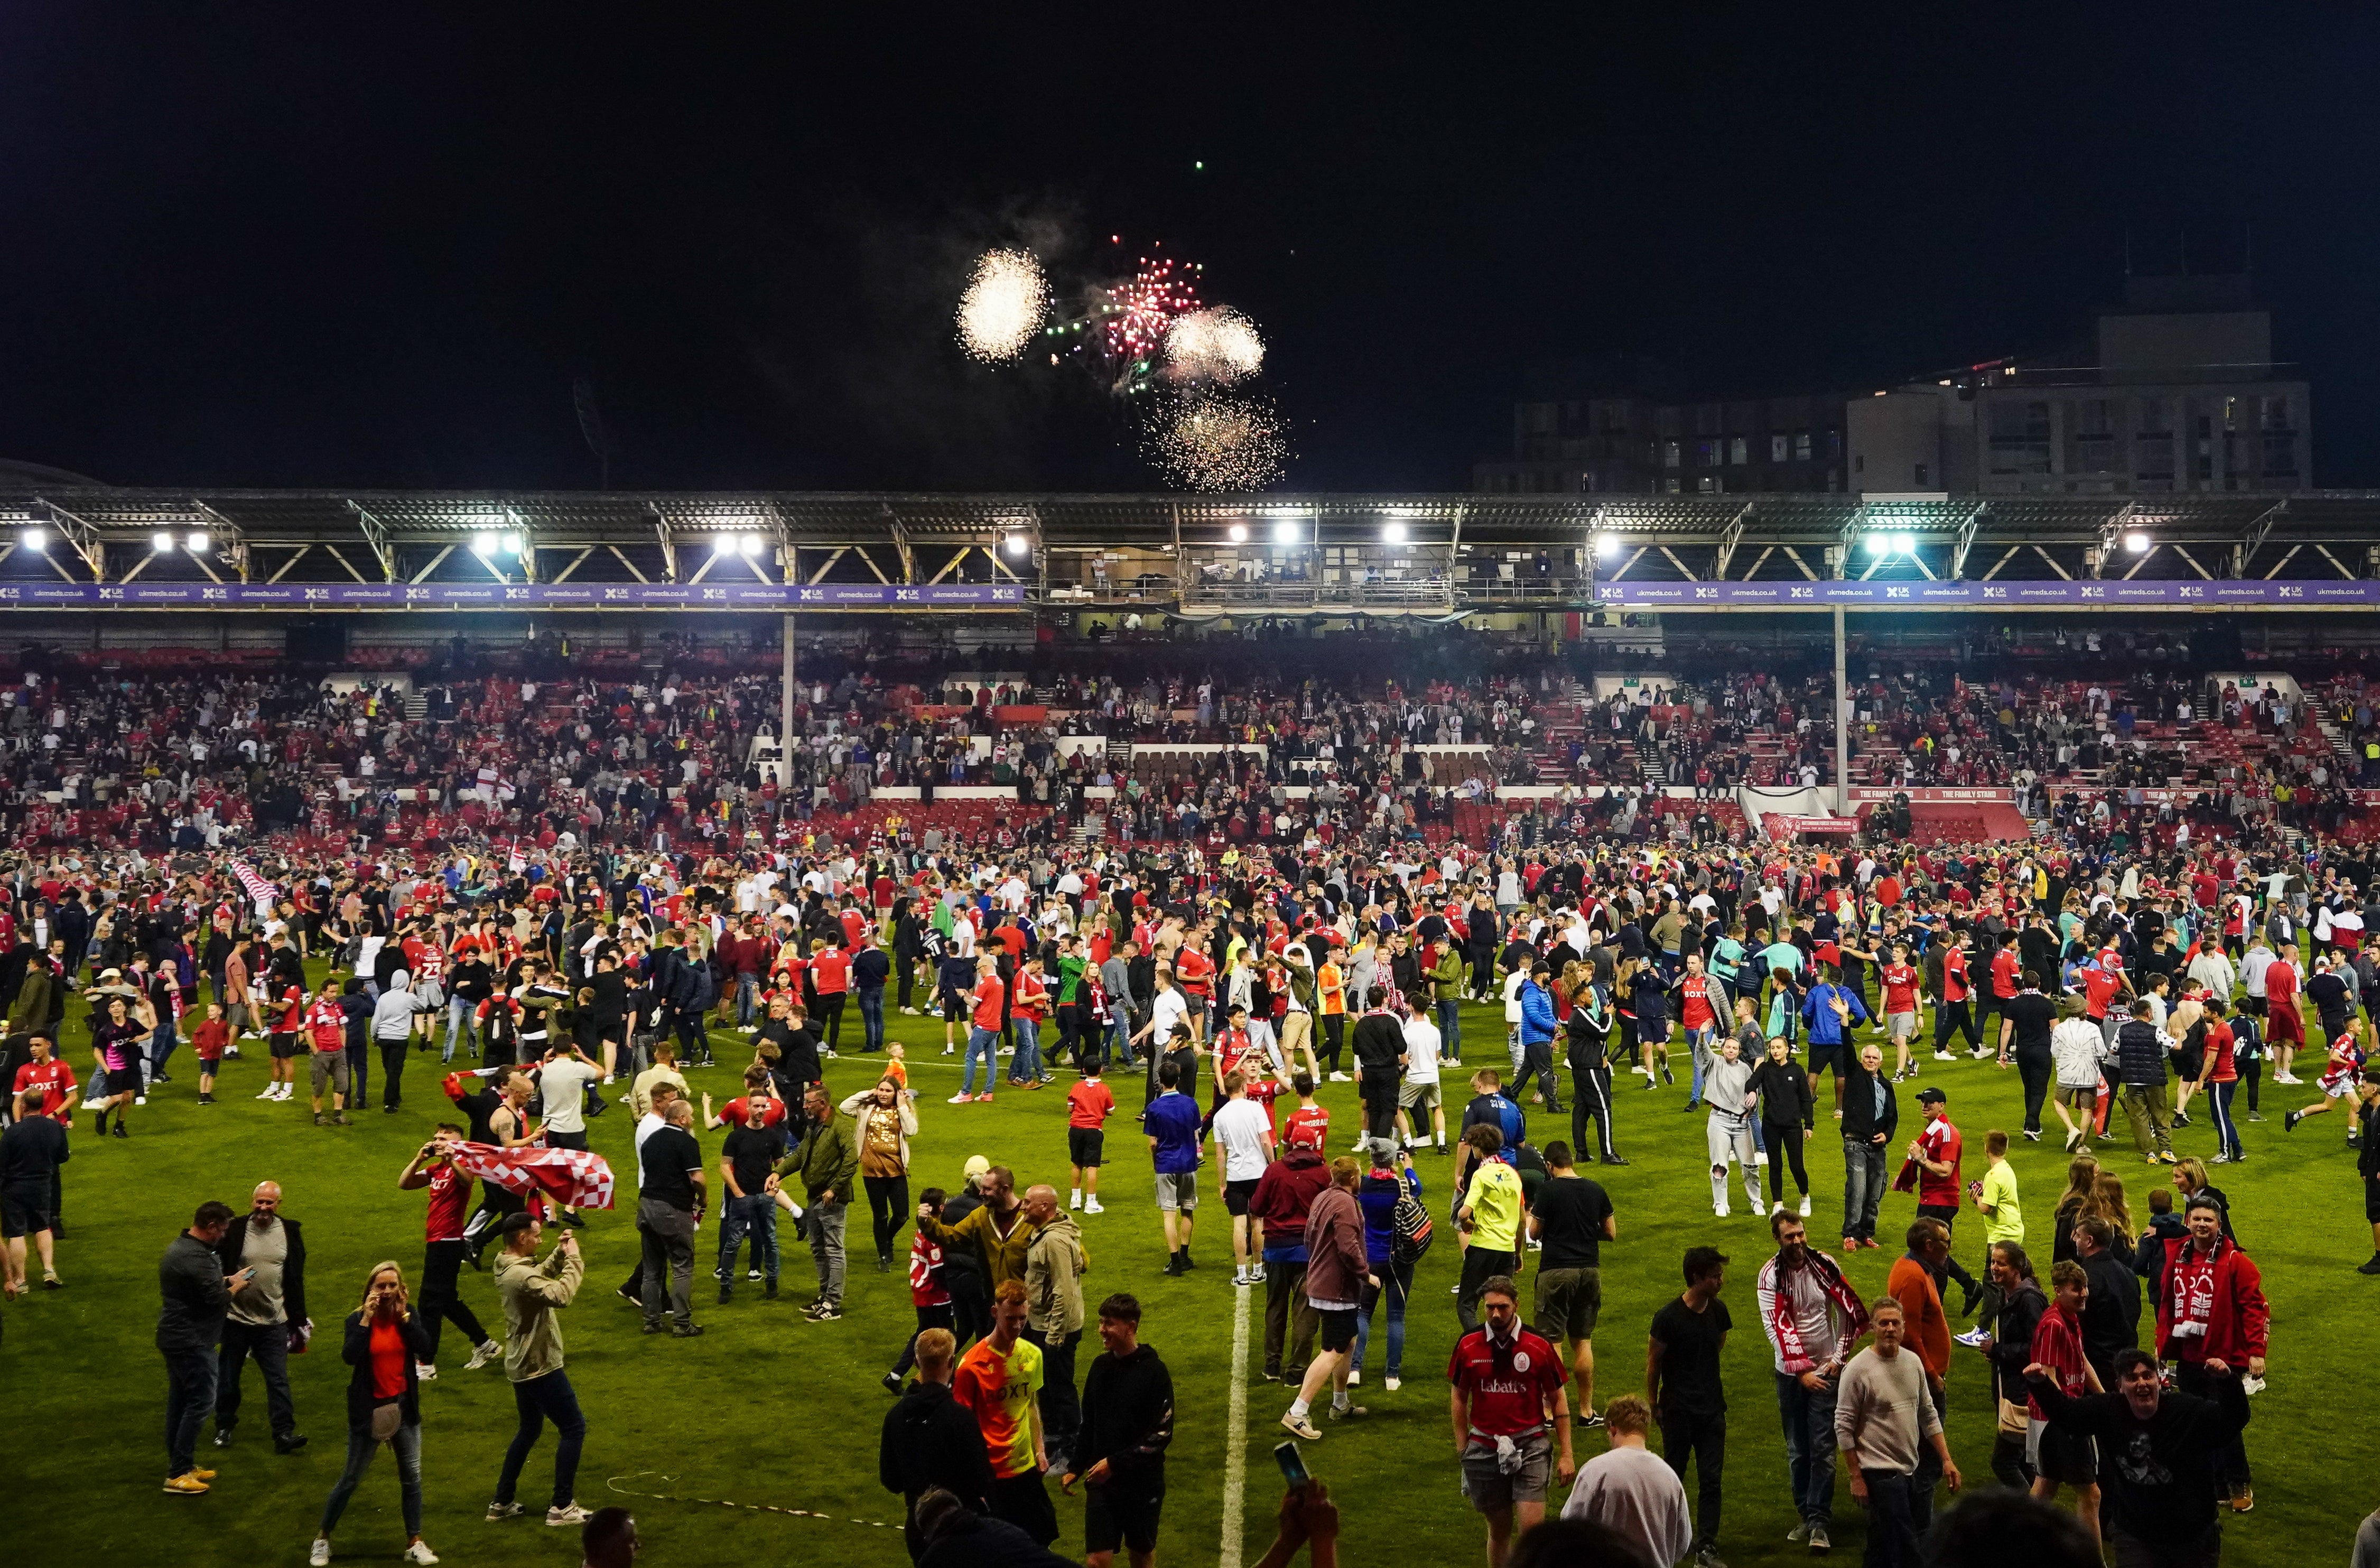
x=1634, y=445
x=2175, y=391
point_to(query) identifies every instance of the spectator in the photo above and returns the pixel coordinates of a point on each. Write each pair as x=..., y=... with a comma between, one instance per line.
x=1502, y=1407
x=197, y=1294
x=534, y=1293
x=265, y=1319
x=1632, y=1493
x=1119, y=1455
x=1683, y=1387
x=386, y=1343
x=932, y=1441
x=1884, y=1416
x=2167, y=1457
x=1813, y=1318
x=2211, y=1318
x=999, y=1381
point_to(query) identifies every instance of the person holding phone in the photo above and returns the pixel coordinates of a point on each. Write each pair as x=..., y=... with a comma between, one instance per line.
x=534, y=1291
x=269, y=1319
x=386, y=1342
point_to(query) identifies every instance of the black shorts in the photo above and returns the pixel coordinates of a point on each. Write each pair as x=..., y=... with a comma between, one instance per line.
x=955, y=1007
x=564, y=1140
x=23, y=1211
x=1825, y=1056
x=2372, y=1200
x=124, y=1080
x=282, y=1046
x=1236, y=1196
x=1082, y=1146
x=1338, y=1329
x=2069, y=1458
x=1123, y=1513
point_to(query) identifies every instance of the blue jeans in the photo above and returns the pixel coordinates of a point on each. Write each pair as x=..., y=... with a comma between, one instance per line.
x=986, y=1044
x=1809, y=1446
x=162, y=1041
x=747, y=1000
x=1119, y=1025
x=872, y=1016
x=460, y=1027
x=1395, y=1287
x=1863, y=1187
x=190, y=1400
x=753, y=1215
x=537, y=1401
x=361, y=1448
x=1892, y=1527
x=1450, y=1030
x=1025, y=1067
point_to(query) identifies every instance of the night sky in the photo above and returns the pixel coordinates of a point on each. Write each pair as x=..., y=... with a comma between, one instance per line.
x=282, y=245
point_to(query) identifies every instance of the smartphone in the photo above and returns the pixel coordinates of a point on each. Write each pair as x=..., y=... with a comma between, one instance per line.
x=1292, y=1464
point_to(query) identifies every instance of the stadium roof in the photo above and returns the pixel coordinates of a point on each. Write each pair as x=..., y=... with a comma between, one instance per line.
x=1166, y=546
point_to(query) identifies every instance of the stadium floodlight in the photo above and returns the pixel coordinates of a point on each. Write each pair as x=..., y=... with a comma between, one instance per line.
x=35, y=539
x=1605, y=547
x=1392, y=533
x=197, y=544
x=512, y=544
x=161, y=543
x=1016, y=544
x=1879, y=544
x=1904, y=544
x=2137, y=542
x=1286, y=531
x=483, y=545
x=747, y=545
x=1239, y=533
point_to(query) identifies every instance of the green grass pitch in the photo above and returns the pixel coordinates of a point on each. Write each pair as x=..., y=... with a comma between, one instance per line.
x=773, y=1413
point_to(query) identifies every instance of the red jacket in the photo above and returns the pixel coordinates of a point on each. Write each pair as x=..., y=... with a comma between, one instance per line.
x=1285, y=1194
x=2236, y=1321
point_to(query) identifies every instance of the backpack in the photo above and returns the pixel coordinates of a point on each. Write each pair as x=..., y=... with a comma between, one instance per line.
x=1410, y=1220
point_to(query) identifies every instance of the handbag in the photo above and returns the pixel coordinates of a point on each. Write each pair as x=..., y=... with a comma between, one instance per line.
x=386, y=1420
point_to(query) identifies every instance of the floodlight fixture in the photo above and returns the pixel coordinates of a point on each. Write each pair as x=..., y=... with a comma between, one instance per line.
x=161, y=543
x=1286, y=531
x=197, y=544
x=1392, y=533
x=484, y=545
x=1239, y=533
x=35, y=539
x=2137, y=542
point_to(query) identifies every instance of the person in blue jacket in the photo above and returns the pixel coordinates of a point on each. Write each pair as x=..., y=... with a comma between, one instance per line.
x=1830, y=1010
x=1538, y=1031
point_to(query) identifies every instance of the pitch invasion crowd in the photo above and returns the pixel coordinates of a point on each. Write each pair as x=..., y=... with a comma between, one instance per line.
x=2135, y=979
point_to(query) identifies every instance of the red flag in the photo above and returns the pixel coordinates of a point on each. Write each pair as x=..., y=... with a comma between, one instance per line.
x=575, y=1178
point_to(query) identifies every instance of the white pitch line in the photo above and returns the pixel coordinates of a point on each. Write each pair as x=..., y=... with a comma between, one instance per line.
x=1235, y=1452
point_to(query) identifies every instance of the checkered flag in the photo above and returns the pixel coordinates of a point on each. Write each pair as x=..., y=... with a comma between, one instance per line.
x=573, y=1178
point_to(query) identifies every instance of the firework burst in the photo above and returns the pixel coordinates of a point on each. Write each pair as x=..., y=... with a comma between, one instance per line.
x=1003, y=306
x=1217, y=345
x=1219, y=441
x=1136, y=313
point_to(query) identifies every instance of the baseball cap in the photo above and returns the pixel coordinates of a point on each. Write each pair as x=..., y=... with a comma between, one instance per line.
x=1932, y=1096
x=976, y=1166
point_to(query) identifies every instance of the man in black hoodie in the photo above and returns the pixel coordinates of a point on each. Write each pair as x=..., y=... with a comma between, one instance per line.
x=1120, y=1452
x=930, y=1439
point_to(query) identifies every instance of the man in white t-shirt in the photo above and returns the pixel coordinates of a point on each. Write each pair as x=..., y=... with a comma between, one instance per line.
x=1244, y=1148
x=1418, y=1092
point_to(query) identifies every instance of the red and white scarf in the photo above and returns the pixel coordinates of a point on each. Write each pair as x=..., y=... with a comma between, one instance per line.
x=1788, y=1333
